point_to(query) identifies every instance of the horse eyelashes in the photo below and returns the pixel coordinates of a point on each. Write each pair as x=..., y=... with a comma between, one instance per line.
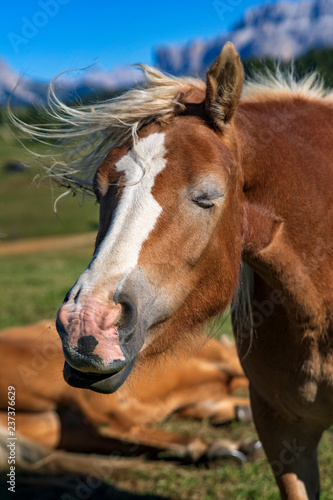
x=206, y=201
x=203, y=202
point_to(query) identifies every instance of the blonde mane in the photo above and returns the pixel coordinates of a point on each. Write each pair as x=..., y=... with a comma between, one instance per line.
x=278, y=85
x=82, y=136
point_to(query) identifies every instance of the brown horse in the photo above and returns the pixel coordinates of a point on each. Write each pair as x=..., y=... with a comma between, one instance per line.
x=201, y=187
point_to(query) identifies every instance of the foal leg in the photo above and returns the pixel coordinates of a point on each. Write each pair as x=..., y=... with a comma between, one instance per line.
x=148, y=438
x=41, y=427
x=133, y=426
x=218, y=409
x=291, y=449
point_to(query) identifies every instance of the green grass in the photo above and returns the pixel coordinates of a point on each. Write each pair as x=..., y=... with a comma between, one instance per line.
x=27, y=210
x=34, y=285
x=27, y=206
x=226, y=481
x=222, y=480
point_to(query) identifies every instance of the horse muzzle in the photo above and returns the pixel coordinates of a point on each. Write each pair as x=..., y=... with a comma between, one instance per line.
x=102, y=338
x=100, y=343
x=105, y=383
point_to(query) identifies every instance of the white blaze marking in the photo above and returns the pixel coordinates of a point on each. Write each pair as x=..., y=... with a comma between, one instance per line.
x=136, y=212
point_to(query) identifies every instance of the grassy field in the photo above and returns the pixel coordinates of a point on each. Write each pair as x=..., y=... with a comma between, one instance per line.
x=36, y=284
x=27, y=204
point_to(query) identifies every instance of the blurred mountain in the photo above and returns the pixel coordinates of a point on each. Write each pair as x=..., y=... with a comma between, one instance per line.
x=282, y=30
x=24, y=93
x=93, y=83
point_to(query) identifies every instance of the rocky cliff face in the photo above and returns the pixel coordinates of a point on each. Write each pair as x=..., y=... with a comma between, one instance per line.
x=283, y=30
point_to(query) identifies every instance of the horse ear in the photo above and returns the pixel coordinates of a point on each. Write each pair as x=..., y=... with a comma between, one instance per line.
x=224, y=85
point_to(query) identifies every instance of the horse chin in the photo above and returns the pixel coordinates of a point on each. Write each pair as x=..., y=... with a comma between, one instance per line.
x=104, y=383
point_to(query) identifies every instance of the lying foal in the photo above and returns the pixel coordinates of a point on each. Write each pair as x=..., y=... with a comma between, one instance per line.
x=54, y=414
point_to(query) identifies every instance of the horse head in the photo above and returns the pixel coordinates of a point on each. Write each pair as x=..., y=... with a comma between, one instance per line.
x=170, y=235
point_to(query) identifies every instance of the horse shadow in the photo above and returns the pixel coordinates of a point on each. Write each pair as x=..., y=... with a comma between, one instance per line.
x=67, y=487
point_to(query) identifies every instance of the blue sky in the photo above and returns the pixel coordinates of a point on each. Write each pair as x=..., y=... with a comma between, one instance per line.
x=40, y=38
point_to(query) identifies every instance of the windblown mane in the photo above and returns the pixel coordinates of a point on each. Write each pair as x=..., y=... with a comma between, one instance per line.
x=84, y=135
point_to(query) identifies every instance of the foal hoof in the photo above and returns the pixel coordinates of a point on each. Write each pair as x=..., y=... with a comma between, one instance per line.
x=218, y=450
x=251, y=448
x=195, y=450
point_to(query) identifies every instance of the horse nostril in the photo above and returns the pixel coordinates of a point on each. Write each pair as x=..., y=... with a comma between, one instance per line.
x=69, y=295
x=128, y=312
x=77, y=295
x=87, y=344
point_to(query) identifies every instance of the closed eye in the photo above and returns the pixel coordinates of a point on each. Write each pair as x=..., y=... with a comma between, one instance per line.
x=203, y=202
x=206, y=201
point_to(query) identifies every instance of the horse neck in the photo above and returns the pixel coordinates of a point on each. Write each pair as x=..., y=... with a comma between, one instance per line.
x=288, y=216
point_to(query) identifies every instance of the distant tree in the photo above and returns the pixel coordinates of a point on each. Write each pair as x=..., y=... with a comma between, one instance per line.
x=320, y=60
